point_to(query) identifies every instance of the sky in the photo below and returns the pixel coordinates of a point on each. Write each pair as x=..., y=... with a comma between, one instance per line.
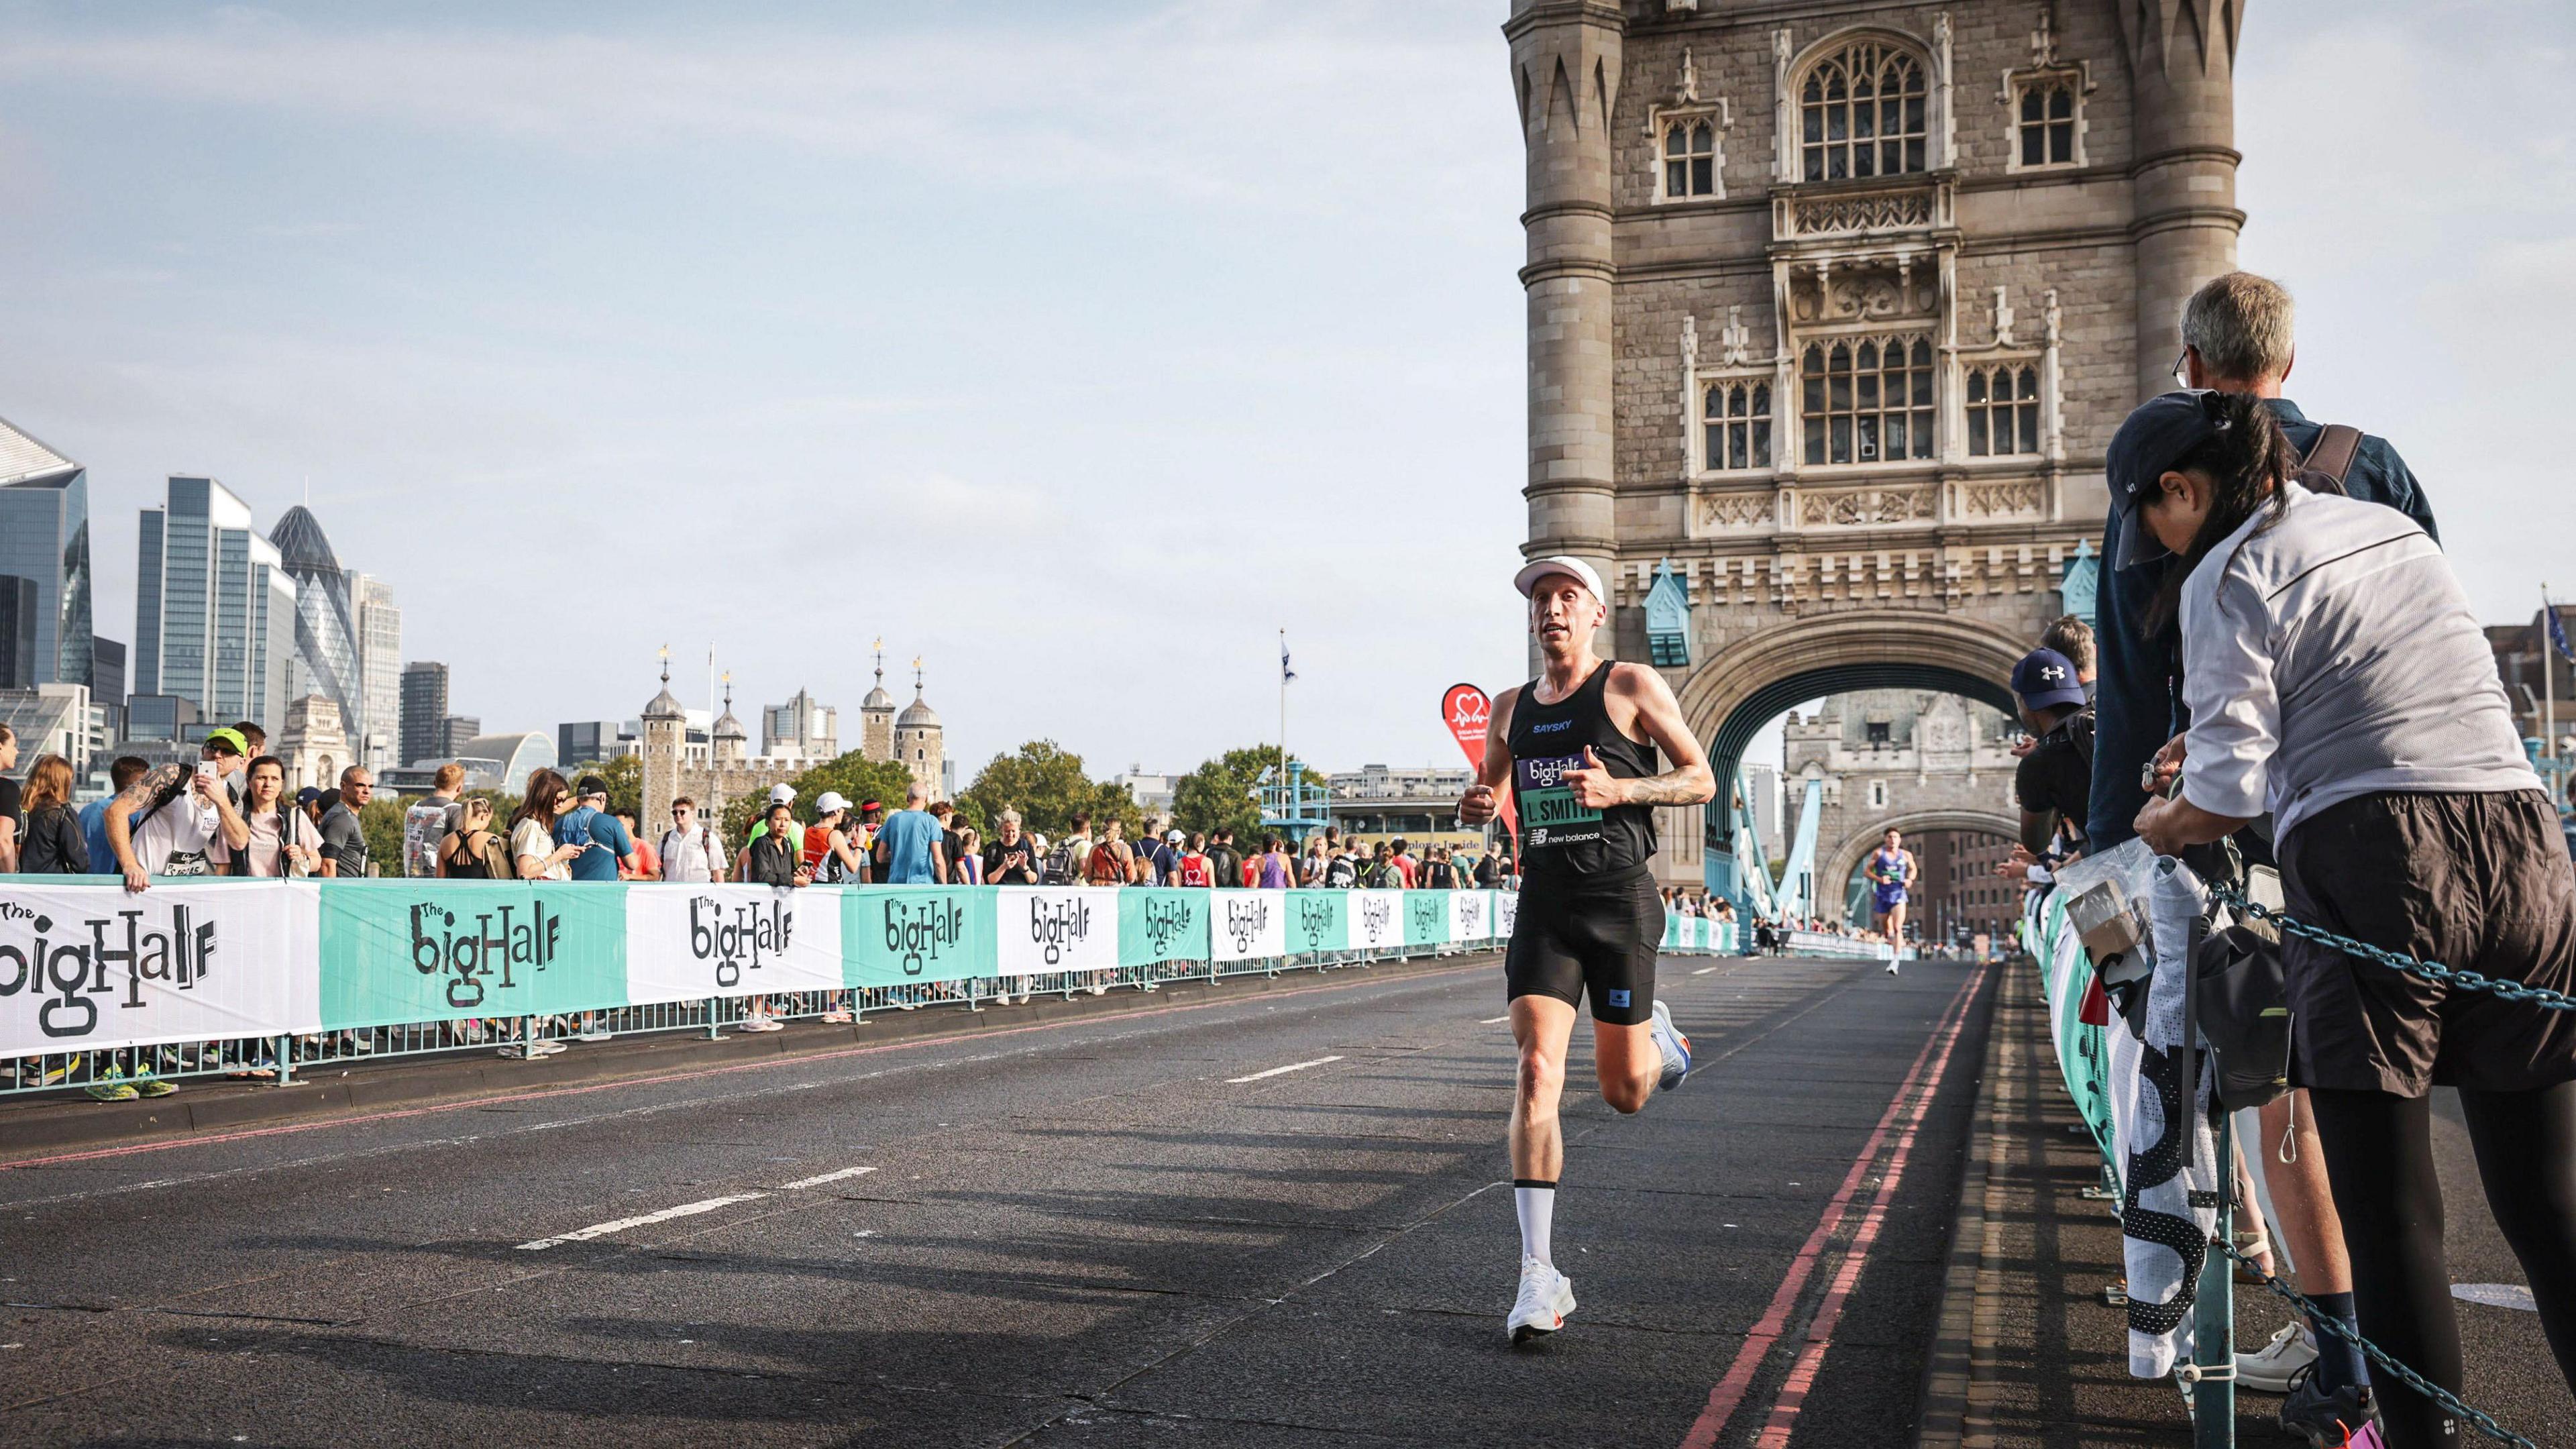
x=1076, y=348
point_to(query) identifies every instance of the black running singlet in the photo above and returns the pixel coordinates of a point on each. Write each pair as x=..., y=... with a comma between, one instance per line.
x=1560, y=837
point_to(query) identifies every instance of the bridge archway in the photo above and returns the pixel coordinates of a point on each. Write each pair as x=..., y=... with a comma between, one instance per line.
x=1728, y=700
x=1845, y=855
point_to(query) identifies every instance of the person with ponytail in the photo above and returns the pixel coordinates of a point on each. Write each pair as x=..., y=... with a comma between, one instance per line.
x=2336, y=680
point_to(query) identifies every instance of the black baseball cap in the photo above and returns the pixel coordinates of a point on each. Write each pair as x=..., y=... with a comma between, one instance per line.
x=2161, y=432
x=591, y=785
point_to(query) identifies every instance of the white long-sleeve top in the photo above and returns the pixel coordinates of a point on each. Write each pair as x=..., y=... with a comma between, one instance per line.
x=2331, y=655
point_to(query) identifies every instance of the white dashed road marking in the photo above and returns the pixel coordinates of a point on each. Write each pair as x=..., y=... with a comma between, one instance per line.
x=1279, y=1071
x=601, y=1230
x=1489, y=1021
x=826, y=1177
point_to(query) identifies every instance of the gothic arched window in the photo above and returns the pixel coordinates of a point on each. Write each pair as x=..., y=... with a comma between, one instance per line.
x=1738, y=420
x=1690, y=157
x=1867, y=399
x=2003, y=410
x=1861, y=113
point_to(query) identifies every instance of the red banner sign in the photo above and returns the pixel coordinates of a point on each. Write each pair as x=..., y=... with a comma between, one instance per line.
x=1468, y=711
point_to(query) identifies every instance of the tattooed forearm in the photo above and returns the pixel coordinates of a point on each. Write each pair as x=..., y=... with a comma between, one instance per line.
x=1688, y=785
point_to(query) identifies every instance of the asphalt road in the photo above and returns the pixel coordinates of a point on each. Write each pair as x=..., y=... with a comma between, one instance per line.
x=1282, y=1220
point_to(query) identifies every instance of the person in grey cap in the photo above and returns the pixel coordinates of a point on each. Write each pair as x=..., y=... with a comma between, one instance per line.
x=2337, y=681
x=1578, y=747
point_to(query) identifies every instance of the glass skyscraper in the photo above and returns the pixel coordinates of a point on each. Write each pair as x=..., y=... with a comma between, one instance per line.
x=325, y=661
x=215, y=611
x=379, y=671
x=44, y=538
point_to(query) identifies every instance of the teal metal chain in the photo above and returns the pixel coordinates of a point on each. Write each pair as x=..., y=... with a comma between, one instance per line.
x=2433, y=971
x=2328, y=1323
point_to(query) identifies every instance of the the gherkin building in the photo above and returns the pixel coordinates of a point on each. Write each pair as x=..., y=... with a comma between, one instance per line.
x=326, y=649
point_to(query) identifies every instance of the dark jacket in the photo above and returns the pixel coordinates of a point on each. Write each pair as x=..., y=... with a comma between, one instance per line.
x=771, y=860
x=2138, y=695
x=52, y=843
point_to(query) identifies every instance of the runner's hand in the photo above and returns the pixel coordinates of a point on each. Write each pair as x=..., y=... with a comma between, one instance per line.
x=1592, y=786
x=1477, y=806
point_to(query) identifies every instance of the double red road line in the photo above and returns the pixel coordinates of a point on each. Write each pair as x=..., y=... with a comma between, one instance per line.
x=1912, y=1101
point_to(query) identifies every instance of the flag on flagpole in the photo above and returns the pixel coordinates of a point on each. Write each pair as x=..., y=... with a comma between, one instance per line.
x=1286, y=674
x=2557, y=629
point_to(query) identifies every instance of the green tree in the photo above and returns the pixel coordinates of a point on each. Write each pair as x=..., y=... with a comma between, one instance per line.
x=1046, y=784
x=625, y=777
x=380, y=821
x=1222, y=794
x=854, y=775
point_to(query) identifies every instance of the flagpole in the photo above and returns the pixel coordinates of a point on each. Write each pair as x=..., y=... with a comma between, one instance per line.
x=2548, y=676
x=1285, y=783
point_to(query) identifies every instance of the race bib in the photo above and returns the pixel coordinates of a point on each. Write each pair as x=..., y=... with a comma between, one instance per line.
x=1549, y=812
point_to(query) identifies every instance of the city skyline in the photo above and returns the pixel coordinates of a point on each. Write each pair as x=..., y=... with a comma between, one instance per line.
x=433, y=264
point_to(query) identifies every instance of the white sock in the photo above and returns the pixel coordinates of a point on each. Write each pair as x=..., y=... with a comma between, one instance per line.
x=1536, y=1203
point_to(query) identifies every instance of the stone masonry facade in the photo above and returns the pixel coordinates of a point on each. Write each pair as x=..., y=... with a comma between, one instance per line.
x=1834, y=307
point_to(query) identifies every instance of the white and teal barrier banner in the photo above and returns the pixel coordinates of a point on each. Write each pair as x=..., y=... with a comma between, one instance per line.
x=1698, y=935
x=87, y=966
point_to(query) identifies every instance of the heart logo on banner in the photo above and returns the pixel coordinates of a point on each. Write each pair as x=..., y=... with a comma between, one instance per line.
x=1468, y=711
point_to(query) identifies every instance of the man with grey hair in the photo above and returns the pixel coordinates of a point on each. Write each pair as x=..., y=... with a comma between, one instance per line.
x=2237, y=337
x=2236, y=333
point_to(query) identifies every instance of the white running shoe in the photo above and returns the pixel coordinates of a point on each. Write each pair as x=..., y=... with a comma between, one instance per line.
x=1674, y=1045
x=1546, y=1297
x=2269, y=1369
x=1891, y=965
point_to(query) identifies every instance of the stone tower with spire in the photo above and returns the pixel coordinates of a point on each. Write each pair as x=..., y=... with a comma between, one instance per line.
x=728, y=742
x=876, y=716
x=666, y=728
x=917, y=737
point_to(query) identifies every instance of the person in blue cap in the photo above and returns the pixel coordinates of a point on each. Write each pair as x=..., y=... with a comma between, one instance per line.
x=2055, y=780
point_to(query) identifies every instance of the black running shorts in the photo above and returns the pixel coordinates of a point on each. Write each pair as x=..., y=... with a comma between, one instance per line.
x=1597, y=935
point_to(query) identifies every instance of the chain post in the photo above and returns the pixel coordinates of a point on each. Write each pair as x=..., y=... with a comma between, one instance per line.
x=2213, y=1325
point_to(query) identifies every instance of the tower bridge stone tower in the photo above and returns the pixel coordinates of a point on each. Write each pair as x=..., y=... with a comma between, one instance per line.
x=1833, y=309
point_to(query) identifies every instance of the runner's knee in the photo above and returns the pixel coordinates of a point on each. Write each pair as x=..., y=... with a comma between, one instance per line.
x=1627, y=1096
x=1541, y=1075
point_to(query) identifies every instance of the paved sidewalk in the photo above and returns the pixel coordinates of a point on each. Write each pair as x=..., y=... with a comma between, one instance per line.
x=2029, y=1353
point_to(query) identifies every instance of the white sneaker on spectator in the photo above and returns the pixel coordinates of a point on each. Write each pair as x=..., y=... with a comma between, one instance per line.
x=2269, y=1369
x=593, y=1033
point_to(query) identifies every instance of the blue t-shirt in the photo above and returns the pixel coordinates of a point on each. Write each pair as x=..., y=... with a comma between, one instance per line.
x=608, y=842
x=93, y=823
x=907, y=836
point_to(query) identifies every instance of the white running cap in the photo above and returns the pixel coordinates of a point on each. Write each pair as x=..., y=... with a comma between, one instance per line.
x=1539, y=568
x=831, y=801
x=782, y=794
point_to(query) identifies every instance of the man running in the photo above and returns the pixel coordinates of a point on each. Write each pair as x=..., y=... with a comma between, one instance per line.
x=1891, y=867
x=1589, y=920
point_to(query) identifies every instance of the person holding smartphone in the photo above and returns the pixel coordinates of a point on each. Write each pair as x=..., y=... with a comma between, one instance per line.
x=167, y=822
